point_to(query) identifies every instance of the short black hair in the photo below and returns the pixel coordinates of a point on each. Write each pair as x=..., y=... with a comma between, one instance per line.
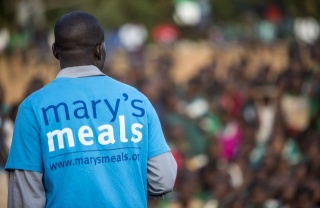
x=77, y=32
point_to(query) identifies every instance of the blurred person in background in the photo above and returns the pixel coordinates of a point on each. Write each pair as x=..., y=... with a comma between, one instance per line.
x=4, y=107
x=3, y=146
x=6, y=128
x=315, y=86
x=187, y=189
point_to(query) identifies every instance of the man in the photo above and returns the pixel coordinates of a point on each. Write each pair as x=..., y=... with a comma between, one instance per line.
x=85, y=139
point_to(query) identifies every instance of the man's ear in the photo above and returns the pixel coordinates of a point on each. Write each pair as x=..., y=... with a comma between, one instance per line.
x=99, y=51
x=54, y=51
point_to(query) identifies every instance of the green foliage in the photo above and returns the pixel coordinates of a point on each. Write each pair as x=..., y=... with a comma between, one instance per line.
x=114, y=13
x=6, y=14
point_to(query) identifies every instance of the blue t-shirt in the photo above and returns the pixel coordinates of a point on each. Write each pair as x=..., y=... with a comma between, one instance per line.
x=91, y=137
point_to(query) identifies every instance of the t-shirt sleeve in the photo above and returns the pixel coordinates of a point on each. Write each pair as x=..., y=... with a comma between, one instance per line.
x=157, y=144
x=25, y=151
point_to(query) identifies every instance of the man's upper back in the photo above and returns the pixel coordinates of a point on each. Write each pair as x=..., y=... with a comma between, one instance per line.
x=95, y=132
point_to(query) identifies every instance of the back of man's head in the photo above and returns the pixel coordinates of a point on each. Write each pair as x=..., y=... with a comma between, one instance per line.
x=77, y=32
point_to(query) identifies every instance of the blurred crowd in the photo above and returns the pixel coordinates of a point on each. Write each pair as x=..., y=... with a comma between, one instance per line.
x=239, y=141
x=243, y=141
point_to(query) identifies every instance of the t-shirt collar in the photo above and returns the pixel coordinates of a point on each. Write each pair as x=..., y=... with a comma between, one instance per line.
x=80, y=71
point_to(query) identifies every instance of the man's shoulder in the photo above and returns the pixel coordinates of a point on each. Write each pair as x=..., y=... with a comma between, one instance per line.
x=44, y=93
x=126, y=87
x=36, y=96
